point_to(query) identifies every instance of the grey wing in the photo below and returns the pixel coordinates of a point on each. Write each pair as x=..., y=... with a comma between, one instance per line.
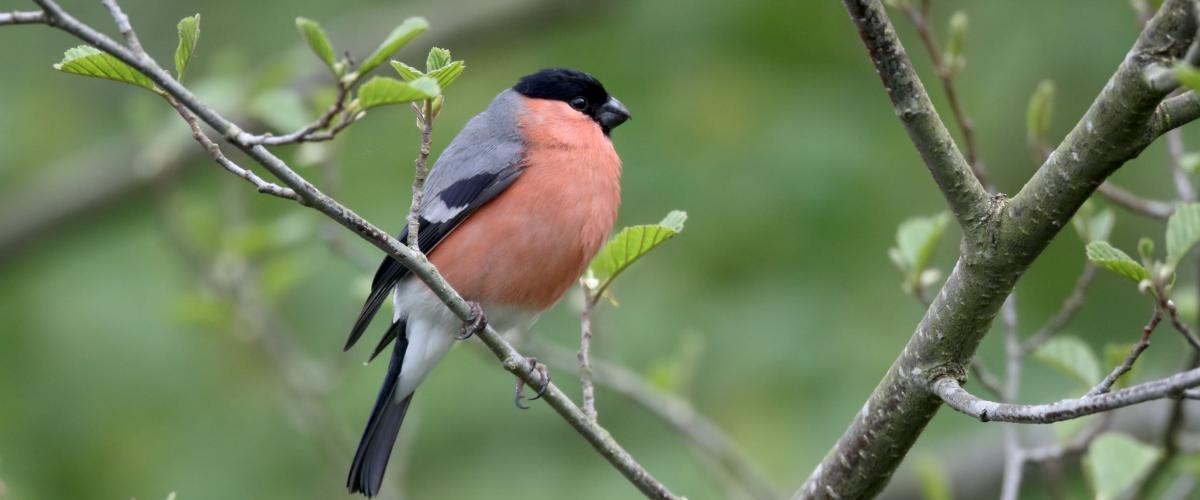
x=480, y=163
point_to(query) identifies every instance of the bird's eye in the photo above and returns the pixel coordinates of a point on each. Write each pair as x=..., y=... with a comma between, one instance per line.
x=579, y=103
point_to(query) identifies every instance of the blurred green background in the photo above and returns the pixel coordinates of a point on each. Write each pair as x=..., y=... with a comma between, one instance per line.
x=125, y=372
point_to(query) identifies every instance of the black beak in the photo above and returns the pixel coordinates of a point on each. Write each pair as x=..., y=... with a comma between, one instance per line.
x=612, y=114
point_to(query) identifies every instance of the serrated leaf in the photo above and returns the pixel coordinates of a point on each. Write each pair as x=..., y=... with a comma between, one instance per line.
x=1072, y=357
x=630, y=245
x=400, y=36
x=916, y=240
x=446, y=75
x=408, y=73
x=1183, y=232
x=189, y=35
x=89, y=61
x=1108, y=257
x=1188, y=75
x=438, y=58
x=318, y=41
x=382, y=90
x=1116, y=462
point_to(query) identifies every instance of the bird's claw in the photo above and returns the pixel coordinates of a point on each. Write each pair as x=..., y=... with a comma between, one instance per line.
x=543, y=372
x=474, y=325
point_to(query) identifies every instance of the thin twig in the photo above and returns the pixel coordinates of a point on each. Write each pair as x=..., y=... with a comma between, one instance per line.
x=952, y=393
x=920, y=20
x=1173, y=313
x=963, y=192
x=315, y=131
x=703, y=434
x=1153, y=209
x=421, y=172
x=215, y=152
x=1134, y=353
x=124, y=27
x=22, y=17
x=309, y=195
x=587, y=388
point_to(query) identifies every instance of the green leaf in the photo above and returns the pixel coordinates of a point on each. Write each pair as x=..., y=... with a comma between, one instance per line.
x=318, y=41
x=630, y=245
x=408, y=73
x=935, y=483
x=89, y=61
x=189, y=34
x=916, y=240
x=1188, y=75
x=1092, y=224
x=1146, y=249
x=382, y=90
x=400, y=36
x=1108, y=257
x=438, y=58
x=446, y=75
x=1116, y=462
x=954, y=59
x=1040, y=113
x=1072, y=357
x=1183, y=232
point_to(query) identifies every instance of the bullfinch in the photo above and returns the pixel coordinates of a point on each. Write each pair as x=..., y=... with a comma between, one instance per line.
x=513, y=211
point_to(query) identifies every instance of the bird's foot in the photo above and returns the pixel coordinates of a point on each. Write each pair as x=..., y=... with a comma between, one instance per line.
x=543, y=373
x=474, y=325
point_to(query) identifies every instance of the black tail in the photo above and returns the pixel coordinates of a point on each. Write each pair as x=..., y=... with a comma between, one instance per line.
x=370, y=461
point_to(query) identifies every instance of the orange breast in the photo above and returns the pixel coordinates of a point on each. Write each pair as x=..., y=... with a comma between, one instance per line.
x=529, y=245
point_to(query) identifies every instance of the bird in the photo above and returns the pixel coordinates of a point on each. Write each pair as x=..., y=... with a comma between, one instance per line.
x=513, y=211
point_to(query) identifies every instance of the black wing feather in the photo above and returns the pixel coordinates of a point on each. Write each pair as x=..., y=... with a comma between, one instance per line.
x=371, y=458
x=471, y=193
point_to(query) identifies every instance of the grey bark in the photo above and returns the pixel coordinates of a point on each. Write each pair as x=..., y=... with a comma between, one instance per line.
x=1001, y=237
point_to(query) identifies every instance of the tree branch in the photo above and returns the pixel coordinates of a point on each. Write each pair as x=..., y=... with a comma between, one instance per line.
x=22, y=17
x=1177, y=112
x=421, y=171
x=962, y=190
x=586, y=388
x=1134, y=352
x=950, y=391
x=215, y=152
x=310, y=196
x=1000, y=242
x=920, y=20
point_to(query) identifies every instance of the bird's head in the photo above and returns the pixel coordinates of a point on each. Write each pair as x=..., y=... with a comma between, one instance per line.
x=581, y=91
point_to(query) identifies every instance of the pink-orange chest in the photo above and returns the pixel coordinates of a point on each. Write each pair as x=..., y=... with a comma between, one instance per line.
x=528, y=246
